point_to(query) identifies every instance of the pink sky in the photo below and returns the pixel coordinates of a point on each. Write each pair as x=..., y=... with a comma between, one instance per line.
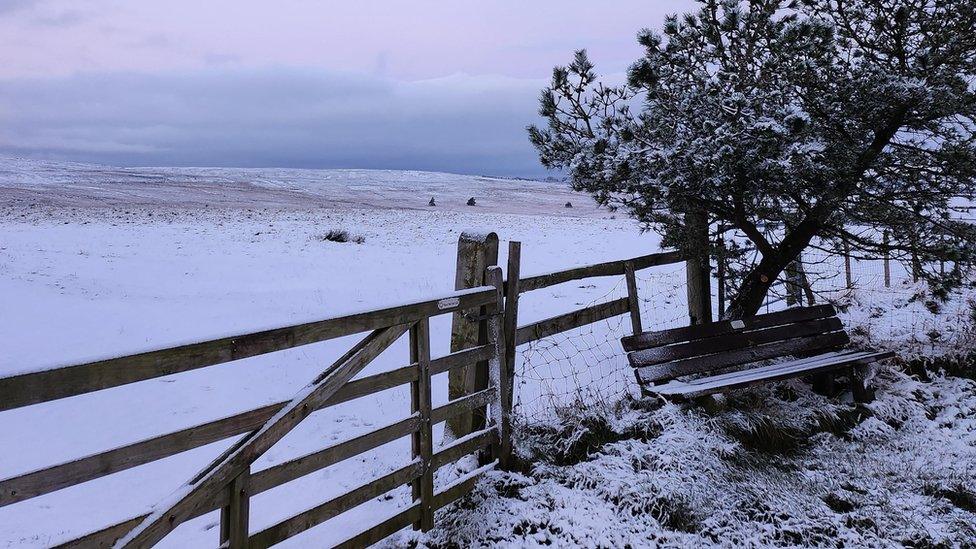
x=397, y=43
x=404, y=39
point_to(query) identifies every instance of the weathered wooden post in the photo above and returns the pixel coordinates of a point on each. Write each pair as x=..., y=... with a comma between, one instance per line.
x=697, y=269
x=794, y=284
x=469, y=328
x=422, y=440
x=720, y=271
x=807, y=287
x=847, y=265
x=500, y=411
x=916, y=263
x=632, y=299
x=512, y=289
x=942, y=253
x=234, y=517
x=887, y=259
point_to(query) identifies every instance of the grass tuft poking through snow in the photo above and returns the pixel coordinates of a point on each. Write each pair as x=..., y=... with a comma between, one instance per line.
x=775, y=466
x=342, y=236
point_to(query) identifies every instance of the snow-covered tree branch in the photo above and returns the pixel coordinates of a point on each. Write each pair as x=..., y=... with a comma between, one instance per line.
x=789, y=122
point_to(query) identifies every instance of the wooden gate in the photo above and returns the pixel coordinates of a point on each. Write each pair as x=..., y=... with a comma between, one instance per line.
x=228, y=482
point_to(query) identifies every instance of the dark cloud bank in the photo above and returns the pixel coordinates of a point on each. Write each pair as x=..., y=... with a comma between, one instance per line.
x=274, y=117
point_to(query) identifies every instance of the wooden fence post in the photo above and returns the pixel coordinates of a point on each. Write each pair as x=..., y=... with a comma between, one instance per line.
x=794, y=284
x=634, y=303
x=512, y=290
x=847, y=265
x=916, y=263
x=887, y=260
x=942, y=252
x=422, y=440
x=806, y=286
x=500, y=411
x=234, y=517
x=720, y=271
x=697, y=269
x=469, y=328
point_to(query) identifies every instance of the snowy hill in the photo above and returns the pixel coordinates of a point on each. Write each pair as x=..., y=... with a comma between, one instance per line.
x=69, y=183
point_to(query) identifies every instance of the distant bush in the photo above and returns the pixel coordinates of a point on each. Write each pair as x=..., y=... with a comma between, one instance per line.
x=339, y=235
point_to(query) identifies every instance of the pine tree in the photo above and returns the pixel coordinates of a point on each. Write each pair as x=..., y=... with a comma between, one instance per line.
x=793, y=123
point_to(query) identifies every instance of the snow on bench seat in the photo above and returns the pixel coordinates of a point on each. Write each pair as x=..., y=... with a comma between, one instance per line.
x=766, y=374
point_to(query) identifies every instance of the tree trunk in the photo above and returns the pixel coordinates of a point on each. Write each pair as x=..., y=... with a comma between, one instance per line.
x=756, y=284
x=698, y=268
x=754, y=288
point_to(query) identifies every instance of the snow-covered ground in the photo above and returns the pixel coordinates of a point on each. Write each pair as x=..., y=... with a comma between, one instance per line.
x=775, y=466
x=99, y=261
x=131, y=266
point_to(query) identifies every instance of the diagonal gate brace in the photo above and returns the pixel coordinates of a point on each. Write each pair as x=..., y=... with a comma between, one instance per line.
x=179, y=506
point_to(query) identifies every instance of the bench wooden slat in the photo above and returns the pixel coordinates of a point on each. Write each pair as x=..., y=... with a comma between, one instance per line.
x=708, y=352
x=670, y=370
x=732, y=341
x=771, y=367
x=694, y=333
x=778, y=372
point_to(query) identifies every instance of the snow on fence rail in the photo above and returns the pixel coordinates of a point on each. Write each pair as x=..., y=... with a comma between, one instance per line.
x=485, y=335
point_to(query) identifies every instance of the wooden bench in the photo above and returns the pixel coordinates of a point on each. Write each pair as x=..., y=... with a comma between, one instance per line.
x=803, y=341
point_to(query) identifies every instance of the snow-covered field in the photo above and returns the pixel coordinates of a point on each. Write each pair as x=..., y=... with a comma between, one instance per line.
x=26, y=182
x=98, y=261
x=129, y=267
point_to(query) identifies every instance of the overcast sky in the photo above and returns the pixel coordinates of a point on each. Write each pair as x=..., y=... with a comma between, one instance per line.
x=415, y=84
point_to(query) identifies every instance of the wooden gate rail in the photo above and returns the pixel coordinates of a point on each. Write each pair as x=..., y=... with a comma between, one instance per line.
x=610, y=268
x=228, y=483
x=312, y=517
x=65, y=381
x=375, y=533
x=63, y=475
x=231, y=489
x=515, y=286
x=298, y=467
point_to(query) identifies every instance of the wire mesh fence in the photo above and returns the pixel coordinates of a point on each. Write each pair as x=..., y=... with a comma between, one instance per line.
x=882, y=305
x=586, y=367
x=887, y=304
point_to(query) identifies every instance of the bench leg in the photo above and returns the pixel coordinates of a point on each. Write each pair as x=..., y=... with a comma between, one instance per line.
x=859, y=390
x=711, y=404
x=823, y=383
